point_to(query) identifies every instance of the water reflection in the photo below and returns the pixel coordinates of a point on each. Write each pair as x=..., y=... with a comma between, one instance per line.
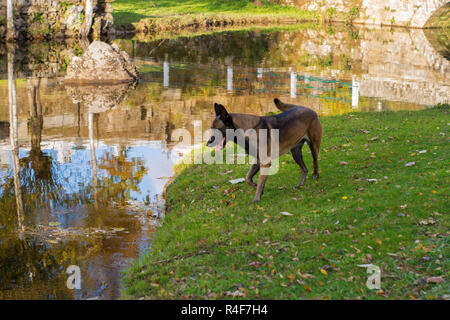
x=97, y=158
x=74, y=183
x=12, y=100
x=394, y=65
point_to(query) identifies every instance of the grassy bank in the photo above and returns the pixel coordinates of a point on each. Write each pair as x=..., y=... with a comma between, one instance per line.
x=160, y=16
x=215, y=244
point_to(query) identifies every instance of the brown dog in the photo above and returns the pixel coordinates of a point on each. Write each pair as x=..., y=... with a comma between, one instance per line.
x=296, y=126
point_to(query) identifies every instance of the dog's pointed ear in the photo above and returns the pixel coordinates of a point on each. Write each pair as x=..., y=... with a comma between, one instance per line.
x=277, y=102
x=221, y=111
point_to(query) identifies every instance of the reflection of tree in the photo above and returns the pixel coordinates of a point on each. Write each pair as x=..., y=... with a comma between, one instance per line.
x=30, y=267
x=79, y=141
x=93, y=158
x=122, y=176
x=37, y=174
x=36, y=118
x=12, y=99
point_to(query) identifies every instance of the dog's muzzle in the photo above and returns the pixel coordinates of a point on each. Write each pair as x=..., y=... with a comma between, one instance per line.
x=213, y=142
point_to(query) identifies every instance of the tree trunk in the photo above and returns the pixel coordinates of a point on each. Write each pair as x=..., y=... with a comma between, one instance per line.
x=88, y=17
x=9, y=21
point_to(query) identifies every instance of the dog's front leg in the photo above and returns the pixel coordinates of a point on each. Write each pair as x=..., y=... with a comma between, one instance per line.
x=251, y=173
x=261, y=182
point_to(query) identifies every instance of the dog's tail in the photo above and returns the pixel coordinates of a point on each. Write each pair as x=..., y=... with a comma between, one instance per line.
x=281, y=105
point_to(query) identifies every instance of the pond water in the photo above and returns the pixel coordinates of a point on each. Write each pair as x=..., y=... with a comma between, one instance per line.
x=90, y=163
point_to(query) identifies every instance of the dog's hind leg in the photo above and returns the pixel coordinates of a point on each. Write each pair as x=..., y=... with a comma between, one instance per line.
x=298, y=157
x=315, y=136
x=314, y=152
x=251, y=173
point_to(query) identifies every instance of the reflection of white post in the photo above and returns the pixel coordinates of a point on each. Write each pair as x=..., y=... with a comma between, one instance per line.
x=13, y=134
x=306, y=78
x=230, y=79
x=379, y=106
x=93, y=158
x=293, y=84
x=260, y=73
x=355, y=93
x=166, y=69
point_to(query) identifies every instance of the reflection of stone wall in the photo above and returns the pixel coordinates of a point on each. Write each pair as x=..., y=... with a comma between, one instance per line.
x=403, y=90
x=399, y=65
x=414, y=13
x=381, y=58
x=45, y=60
x=404, y=67
x=55, y=18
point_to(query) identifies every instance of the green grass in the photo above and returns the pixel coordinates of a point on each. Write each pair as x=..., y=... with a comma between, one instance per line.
x=214, y=241
x=132, y=11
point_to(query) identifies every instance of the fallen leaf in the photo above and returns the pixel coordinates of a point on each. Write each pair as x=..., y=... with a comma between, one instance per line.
x=435, y=280
x=236, y=293
x=427, y=221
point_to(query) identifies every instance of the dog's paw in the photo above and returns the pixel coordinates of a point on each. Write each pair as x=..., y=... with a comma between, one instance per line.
x=256, y=200
x=251, y=183
x=298, y=186
x=315, y=176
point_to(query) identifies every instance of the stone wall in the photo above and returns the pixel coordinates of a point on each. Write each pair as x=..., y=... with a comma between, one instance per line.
x=44, y=19
x=407, y=13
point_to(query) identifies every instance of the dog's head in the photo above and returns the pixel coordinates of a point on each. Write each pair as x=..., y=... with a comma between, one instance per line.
x=221, y=122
